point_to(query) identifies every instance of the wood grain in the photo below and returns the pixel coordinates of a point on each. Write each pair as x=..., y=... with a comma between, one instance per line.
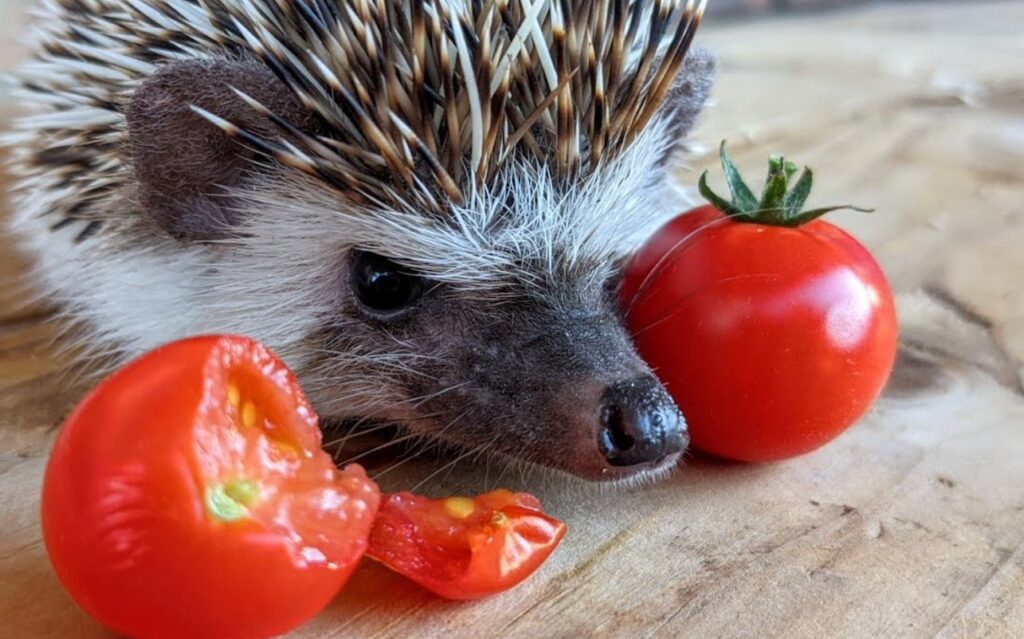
x=910, y=525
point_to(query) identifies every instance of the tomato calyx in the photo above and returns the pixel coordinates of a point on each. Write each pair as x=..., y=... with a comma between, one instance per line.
x=779, y=205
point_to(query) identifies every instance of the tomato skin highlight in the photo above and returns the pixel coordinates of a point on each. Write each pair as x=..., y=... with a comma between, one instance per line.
x=772, y=340
x=131, y=516
x=464, y=552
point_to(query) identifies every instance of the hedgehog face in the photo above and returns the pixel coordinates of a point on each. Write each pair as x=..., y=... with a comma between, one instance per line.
x=547, y=374
x=495, y=328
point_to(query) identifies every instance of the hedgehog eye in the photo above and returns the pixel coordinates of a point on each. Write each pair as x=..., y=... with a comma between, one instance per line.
x=383, y=287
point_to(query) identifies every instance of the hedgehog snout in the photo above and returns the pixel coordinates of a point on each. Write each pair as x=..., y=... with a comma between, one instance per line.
x=639, y=424
x=557, y=385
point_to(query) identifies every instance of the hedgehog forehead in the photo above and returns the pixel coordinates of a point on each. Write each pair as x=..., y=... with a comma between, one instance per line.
x=526, y=231
x=566, y=229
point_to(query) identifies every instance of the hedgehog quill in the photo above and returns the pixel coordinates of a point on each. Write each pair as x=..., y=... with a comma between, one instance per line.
x=423, y=206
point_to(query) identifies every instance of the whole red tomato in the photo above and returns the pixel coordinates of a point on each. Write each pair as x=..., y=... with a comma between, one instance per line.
x=462, y=548
x=773, y=330
x=187, y=496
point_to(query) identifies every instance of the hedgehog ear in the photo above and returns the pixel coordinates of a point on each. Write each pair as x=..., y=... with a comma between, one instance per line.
x=687, y=97
x=182, y=163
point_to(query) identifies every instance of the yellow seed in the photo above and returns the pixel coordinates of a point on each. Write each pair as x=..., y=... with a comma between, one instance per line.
x=234, y=395
x=459, y=507
x=244, y=491
x=229, y=501
x=249, y=415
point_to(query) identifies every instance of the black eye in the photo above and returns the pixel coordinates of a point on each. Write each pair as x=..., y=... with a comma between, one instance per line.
x=383, y=287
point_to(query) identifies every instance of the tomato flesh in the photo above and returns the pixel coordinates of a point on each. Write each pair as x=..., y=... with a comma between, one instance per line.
x=463, y=548
x=772, y=340
x=187, y=496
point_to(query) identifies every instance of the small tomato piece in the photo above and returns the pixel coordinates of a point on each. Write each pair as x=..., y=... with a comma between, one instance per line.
x=187, y=496
x=463, y=548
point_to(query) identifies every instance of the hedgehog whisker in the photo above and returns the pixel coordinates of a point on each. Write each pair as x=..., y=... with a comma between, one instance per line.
x=352, y=433
x=423, y=449
x=450, y=464
x=672, y=253
x=415, y=402
x=425, y=398
x=680, y=303
x=375, y=449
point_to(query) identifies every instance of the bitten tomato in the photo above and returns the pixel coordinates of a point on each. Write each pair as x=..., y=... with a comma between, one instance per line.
x=463, y=548
x=187, y=496
x=773, y=330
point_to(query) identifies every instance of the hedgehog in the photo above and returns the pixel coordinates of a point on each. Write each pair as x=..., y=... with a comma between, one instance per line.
x=424, y=206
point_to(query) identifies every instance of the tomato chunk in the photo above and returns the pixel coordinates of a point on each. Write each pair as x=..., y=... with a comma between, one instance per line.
x=462, y=548
x=187, y=496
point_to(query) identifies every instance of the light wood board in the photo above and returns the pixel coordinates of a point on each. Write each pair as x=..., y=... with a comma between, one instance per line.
x=910, y=525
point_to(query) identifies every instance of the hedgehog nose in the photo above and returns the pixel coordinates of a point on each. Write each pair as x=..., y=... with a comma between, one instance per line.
x=639, y=423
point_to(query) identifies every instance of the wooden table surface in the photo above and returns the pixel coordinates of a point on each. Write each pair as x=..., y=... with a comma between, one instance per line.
x=910, y=525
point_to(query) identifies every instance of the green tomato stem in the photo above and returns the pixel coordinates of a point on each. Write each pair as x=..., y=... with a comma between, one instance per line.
x=779, y=204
